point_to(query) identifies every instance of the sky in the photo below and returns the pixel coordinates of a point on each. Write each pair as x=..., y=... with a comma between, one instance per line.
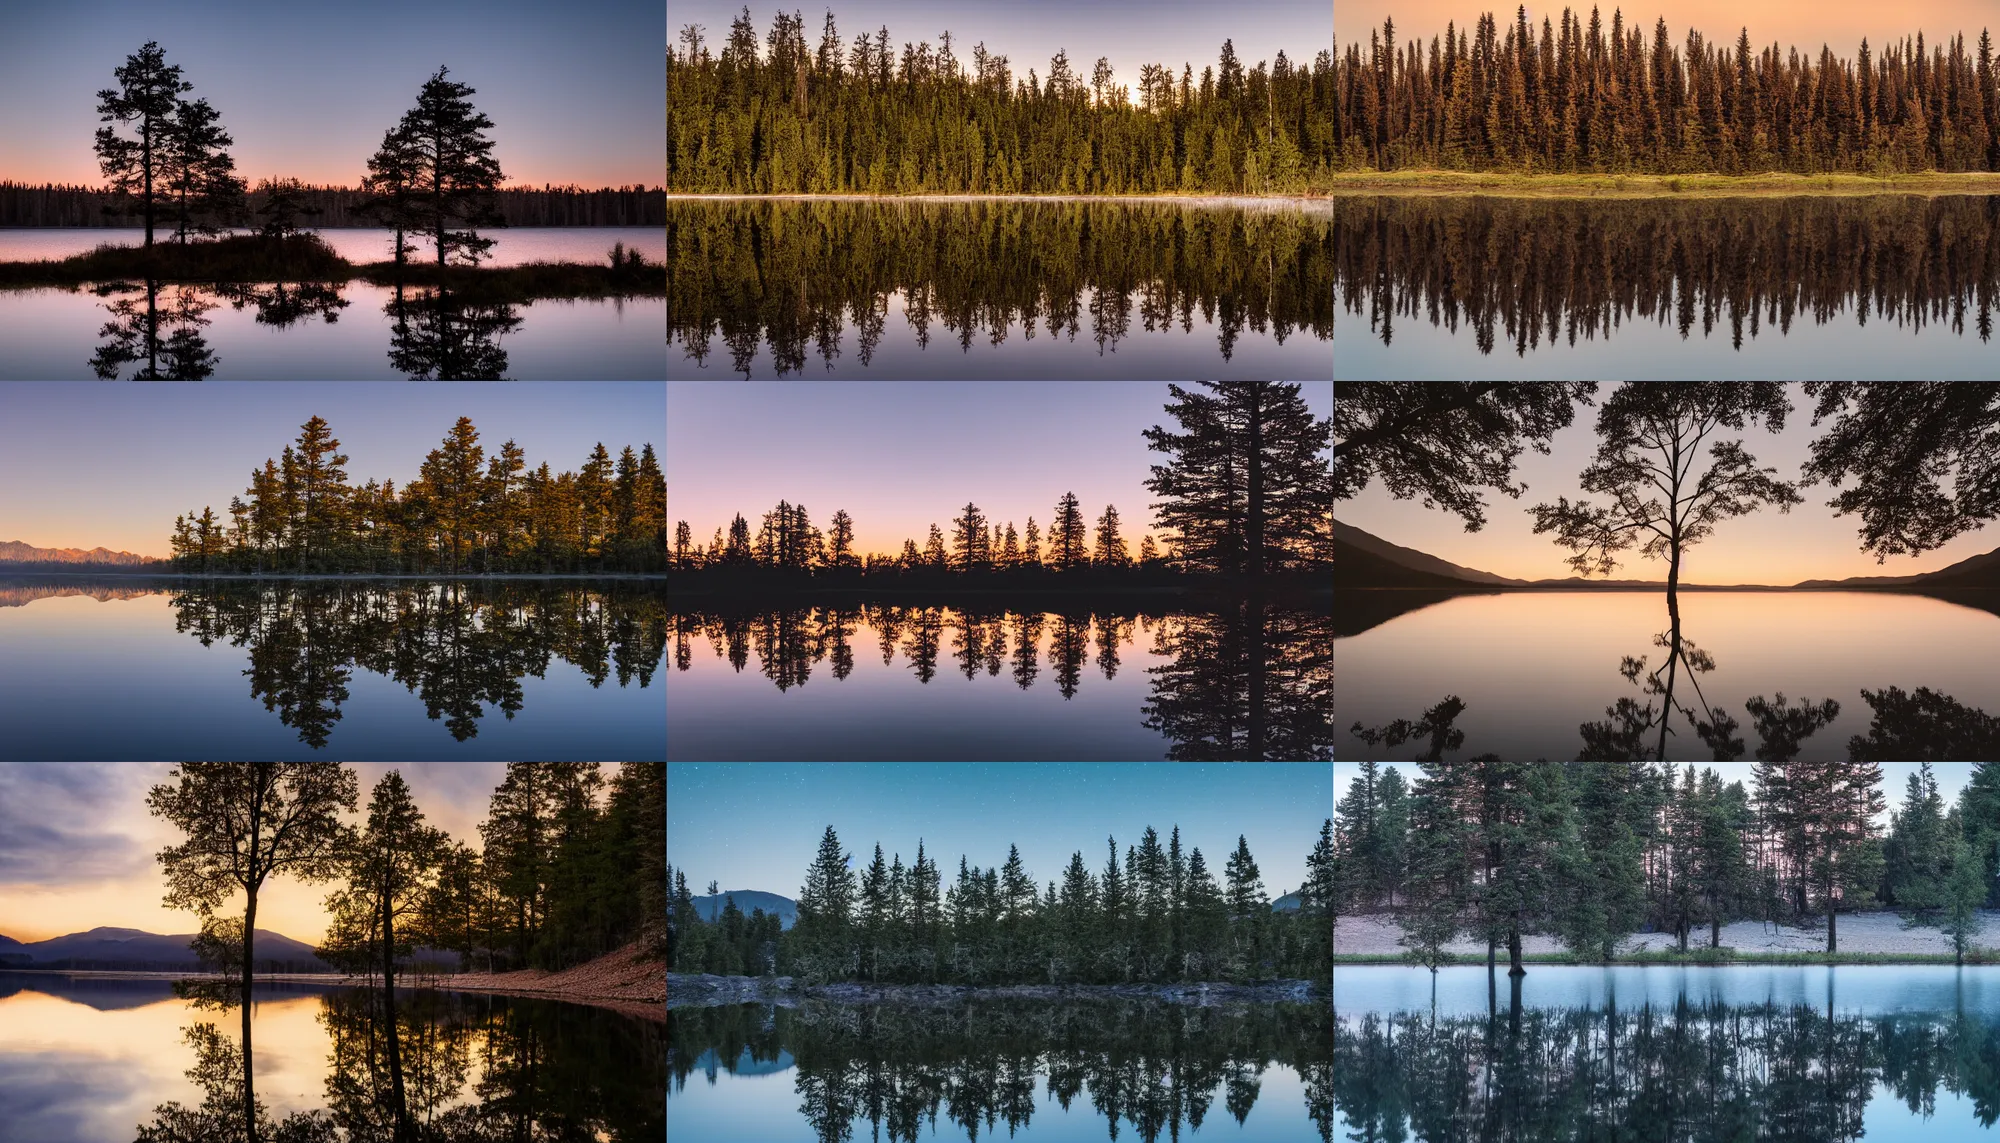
x=901, y=455
x=757, y=826
x=1951, y=777
x=1805, y=24
x=1030, y=32
x=576, y=91
x=77, y=845
x=1765, y=547
x=84, y=466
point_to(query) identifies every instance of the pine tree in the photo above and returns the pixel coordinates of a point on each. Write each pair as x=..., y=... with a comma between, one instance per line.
x=840, y=538
x=148, y=97
x=1067, y=537
x=391, y=186
x=197, y=171
x=1248, y=906
x=970, y=542
x=454, y=173
x=1032, y=553
x=1248, y=489
x=1110, y=546
x=934, y=554
x=875, y=911
x=825, y=915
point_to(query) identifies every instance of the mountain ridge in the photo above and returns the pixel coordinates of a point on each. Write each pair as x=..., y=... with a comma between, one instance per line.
x=112, y=947
x=748, y=900
x=17, y=551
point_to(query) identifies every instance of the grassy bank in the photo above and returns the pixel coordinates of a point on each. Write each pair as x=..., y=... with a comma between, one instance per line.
x=1768, y=185
x=1693, y=957
x=246, y=258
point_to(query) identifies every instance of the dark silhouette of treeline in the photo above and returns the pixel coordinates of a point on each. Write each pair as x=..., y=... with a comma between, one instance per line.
x=1572, y=98
x=1524, y=274
x=459, y=648
x=70, y=205
x=800, y=274
x=1156, y=1067
x=463, y=512
x=788, y=118
x=1242, y=680
x=1692, y=1071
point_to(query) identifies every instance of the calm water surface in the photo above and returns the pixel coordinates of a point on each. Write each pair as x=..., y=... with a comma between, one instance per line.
x=1533, y=667
x=926, y=682
x=1909, y=1052
x=91, y=1060
x=928, y=290
x=512, y=246
x=140, y=670
x=1868, y=288
x=1073, y=1072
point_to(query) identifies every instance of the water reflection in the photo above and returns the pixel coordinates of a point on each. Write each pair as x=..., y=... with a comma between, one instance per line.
x=798, y=275
x=434, y=334
x=1681, y=1068
x=1246, y=680
x=459, y=647
x=885, y=1072
x=1521, y=274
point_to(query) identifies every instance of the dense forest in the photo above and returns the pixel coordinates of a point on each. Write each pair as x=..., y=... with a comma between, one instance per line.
x=53, y=204
x=1592, y=852
x=1520, y=275
x=1159, y=917
x=793, y=118
x=464, y=513
x=1247, y=491
x=1569, y=97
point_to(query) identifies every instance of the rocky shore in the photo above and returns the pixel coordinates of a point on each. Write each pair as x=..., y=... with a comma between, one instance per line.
x=692, y=991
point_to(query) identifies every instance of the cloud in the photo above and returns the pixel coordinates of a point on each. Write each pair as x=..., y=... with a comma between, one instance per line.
x=57, y=821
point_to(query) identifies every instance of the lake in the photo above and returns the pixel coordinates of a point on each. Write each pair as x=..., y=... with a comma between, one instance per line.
x=93, y=1059
x=1063, y=289
x=1907, y=1052
x=1532, y=668
x=879, y=681
x=355, y=670
x=1890, y=287
x=1079, y=1071
x=313, y=331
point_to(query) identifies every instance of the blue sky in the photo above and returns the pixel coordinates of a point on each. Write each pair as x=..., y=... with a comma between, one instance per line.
x=576, y=90
x=758, y=825
x=85, y=465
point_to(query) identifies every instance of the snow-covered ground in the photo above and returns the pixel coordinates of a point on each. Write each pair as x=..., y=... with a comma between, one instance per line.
x=1859, y=933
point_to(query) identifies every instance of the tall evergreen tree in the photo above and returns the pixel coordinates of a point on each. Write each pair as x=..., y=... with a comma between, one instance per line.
x=1067, y=536
x=1249, y=488
x=148, y=97
x=453, y=169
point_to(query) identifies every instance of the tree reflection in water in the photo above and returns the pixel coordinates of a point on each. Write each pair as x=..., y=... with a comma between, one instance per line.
x=437, y=336
x=1155, y=1067
x=547, y=1072
x=796, y=274
x=460, y=647
x=1530, y=272
x=134, y=333
x=1248, y=681
x=1694, y=1071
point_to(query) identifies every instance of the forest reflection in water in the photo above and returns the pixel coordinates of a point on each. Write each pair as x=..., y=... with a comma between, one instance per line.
x=94, y=1058
x=157, y=328
x=1244, y=680
x=1531, y=276
x=894, y=1073
x=459, y=646
x=1685, y=1055
x=799, y=277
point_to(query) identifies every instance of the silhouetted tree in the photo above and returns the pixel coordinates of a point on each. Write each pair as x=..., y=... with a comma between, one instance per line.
x=1247, y=490
x=1068, y=539
x=454, y=172
x=1110, y=550
x=971, y=543
x=147, y=96
x=197, y=171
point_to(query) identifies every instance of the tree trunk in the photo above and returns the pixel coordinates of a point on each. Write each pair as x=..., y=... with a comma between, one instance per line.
x=1832, y=923
x=1674, y=644
x=146, y=163
x=249, y=959
x=1514, y=951
x=1253, y=526
x=402, y=1109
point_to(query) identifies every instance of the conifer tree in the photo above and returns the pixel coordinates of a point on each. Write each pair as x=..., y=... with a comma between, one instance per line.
x=148, y=97
x=1110, y=546
x=1031, y=554
x=1067, y=537
x=453, y=171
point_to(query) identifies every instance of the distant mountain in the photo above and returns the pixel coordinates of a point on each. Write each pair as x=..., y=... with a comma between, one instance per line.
x=1408, y=559
x=709, y=908
x=1973, y=571
x=110, y=948
x=22, y=596
x=14, y=551
x=1289, y=903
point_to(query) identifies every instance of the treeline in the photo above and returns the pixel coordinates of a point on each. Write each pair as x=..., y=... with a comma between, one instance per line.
x=1592, y=852
x=464, y=512
x=1159, y=917
x=1571, y=98
x=862, y=118
x=54, y=204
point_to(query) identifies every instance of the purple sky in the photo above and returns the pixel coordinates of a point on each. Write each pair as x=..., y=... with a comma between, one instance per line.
x=85, y=465
x=1029, y=32
x=900, y=455
x=575, y=90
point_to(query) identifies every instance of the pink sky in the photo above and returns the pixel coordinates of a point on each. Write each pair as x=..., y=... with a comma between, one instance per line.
x=1806, y=24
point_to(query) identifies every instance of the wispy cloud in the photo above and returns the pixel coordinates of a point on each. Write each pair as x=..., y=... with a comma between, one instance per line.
x=54, y=821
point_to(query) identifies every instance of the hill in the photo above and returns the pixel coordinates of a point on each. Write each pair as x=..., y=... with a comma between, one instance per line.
x=1289, y=903
x=137, y=950
x=1980, y=571
x=14, y=551
x=748, y=900
x=1365, y=543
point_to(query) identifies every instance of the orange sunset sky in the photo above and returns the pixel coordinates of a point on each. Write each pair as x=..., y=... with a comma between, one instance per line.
x=1806, y=24
x=1765, y=547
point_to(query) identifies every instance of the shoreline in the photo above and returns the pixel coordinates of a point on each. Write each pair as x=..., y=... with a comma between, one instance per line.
x=701, y=990
x=1430, y=183
x=640, y=1008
